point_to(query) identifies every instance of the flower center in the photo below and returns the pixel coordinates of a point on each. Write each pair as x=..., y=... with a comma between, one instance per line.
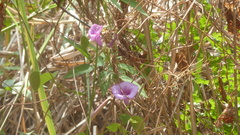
x=125, y=92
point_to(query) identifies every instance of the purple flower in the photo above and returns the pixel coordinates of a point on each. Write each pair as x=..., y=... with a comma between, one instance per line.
x=94, y=33
x=125, y=91
x=112, y=42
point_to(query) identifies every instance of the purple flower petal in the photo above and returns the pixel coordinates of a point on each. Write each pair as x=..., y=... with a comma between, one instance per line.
x=126, y=101
x=125, y=91
x=98, y=41
x=94, y=34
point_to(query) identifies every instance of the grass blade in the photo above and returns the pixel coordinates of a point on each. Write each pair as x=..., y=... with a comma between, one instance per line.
x=32, y=54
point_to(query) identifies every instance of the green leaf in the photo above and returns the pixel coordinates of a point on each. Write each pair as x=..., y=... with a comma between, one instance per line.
x=8, y=83
x=81, y=133
x=199, y=66
x=1, y=92
x=127, y=68
x=202, y=81
x=79, y=70
x=104, y=87
x=2, y=132
x=34, y=80
x=84, y=42
x=100, y=61
x=196, y=94
x=125, y=78
x=124, y=118
x=47, y=77
x=137, y=123
x=143, y=93
x=30, y=133
x=134, y=4
x=13, y=68
x=1, y=72
x=113, y=127
x=52, y=6
x=213, y=105
x=115, y=2
x=81, y=49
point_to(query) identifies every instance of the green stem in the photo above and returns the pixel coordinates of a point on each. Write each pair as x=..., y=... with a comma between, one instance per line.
x=35, y=66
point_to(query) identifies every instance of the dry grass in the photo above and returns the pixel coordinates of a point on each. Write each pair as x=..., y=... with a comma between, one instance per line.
x=168, y=66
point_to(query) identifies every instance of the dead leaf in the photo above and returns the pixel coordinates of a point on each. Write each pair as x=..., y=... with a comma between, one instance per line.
x=227, y=116
x=222, y=90
x=232, y=13
x=181, y=60
x=2, y=14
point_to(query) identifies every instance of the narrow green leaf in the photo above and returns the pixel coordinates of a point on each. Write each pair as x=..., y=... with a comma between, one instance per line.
x=113, y=127
x=79, y=48
x=135, y=5
x=47, y=77
x=13, y=68
x=79, y=70
x=83, y=51
x=84, y=42
x=45, y=43
x=115, y=3
x=35, y=75
x=34, y=80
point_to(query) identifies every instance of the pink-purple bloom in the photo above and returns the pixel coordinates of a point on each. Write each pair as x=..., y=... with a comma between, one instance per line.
x=125, y=91
x=94, y=34
x=112, y=42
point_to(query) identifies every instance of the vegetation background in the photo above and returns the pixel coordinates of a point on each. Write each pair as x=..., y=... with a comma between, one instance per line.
x=183, y=55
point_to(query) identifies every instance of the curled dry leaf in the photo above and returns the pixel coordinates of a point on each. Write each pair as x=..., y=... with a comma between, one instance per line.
x=181, y=60
x=227, y=116
x=222, y=90
x=232, y=12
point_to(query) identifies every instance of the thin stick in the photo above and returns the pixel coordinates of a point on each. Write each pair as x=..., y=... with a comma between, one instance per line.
x=94, y=114
x=64, y=10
